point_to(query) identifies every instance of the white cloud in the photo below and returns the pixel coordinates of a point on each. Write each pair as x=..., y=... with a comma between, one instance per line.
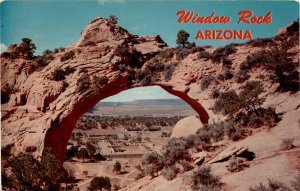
x=109, y=1
x=3, y=47
x=1, y=1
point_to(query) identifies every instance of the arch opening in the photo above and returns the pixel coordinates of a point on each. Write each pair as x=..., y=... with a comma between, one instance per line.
x=61, y=128
x=124, y=127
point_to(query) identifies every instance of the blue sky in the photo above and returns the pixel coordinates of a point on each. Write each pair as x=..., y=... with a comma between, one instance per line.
x=52, y=24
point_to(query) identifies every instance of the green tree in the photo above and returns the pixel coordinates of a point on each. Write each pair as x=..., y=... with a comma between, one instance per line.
x=90, y=148
x=70, y=153
x=99, y=183
x=182, y=38
x=28, y=174
x=27, y=48
x=117, y=167
x=83, y=153
x=53, y=172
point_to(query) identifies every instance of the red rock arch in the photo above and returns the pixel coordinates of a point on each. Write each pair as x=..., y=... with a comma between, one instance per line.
x=44, y=112
x=57, y=135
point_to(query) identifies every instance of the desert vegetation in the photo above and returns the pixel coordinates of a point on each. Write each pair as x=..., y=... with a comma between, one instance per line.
x=203, y=179
x=23, y=172
x=130, y=123
x=98, y=183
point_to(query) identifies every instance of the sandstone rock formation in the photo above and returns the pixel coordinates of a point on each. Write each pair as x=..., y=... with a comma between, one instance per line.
x=106, y=60
x=43, y=112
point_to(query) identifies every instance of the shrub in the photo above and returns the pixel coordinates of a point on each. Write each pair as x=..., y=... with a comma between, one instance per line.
x=186, y=166
x=6, y=151
x=58, y=74
x=182, y=53
x=257, y=118
x=215, y=94
x=211, y=132
x=217, y=55
x=249, y=95
x=167, y=54
x=229, y=49
x=287, y=144
x=206, y=81
x=227, y=75
x=199, y=49
x=98, y=183
x=69, y=70
x=47, y=52
x=296, y=181
x=117, y=167
x=236, y=165
x=40, y=62
x=236, y=133
x=272, y=185
x=168, y=72
x=169, y=172
x=227, y=102
x=260, y=42
x=203, y=55
x=30, y=174
x=230, y=103
x=144, y=76
x=68, y=55
x=203, y=135
x=100, y=81
x=152, y=163
x=146, y=81
x=222, y=52
x=203, y=179
x=141, y=173
x=175, y=150
x=191, y=141
x=241, y=76
x=226, y=62
x=83, y=83
x=155, y=65
x=278, y=63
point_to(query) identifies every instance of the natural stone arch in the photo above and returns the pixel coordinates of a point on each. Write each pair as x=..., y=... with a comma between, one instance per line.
x=57, y=135
x=44, y=112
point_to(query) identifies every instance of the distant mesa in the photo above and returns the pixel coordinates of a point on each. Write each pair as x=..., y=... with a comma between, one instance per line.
x=145, y=102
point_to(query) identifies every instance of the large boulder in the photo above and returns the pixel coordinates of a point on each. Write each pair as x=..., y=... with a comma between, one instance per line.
x=186, y=126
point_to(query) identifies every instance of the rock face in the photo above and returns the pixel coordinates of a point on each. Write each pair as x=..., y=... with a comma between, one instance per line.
x=43, y=112
x=44, y=106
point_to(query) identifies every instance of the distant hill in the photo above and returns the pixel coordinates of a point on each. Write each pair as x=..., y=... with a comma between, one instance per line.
x=142, y=102
x=157, y=107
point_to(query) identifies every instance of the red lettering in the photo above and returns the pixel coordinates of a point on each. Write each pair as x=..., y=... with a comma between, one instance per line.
x=199, y=35
x=245, y=15
x=185, y=17
x=207, y=34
